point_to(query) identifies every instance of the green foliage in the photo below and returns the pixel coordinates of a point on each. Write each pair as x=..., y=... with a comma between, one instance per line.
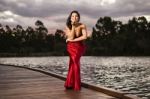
x=109, y=37
x=20, y=40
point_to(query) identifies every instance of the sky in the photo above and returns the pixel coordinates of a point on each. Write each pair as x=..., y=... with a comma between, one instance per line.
x=54, y=13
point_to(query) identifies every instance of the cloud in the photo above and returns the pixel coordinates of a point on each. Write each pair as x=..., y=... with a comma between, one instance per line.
x=55, y=12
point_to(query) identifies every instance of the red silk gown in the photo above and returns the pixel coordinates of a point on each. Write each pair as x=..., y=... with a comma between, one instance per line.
x=75, y=50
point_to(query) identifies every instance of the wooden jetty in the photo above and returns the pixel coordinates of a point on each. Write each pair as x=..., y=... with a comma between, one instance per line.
x=22, y=83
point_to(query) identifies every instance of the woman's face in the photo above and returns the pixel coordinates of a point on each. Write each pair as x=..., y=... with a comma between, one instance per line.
x=74, y=17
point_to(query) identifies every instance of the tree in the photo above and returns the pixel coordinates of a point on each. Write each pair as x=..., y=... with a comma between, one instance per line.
x=41, y=33
x=103, y=35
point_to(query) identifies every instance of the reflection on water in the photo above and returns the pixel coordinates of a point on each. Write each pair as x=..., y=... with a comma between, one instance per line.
x=129, y=74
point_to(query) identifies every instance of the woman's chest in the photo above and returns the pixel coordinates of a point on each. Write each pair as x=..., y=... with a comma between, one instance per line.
x=78, y=31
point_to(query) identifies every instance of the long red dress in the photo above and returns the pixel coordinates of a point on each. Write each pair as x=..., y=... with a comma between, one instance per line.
x=75, y=50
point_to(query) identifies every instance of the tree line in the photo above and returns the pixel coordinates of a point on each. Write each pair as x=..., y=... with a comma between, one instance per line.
x=23, y=42
x=109, y=37
x=112, y=37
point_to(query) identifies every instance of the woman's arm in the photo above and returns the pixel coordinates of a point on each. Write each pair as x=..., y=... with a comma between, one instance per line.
x=70, y=33
x=83, y=37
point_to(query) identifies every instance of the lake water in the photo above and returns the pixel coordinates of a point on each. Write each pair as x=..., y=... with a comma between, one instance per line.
x=128, y=74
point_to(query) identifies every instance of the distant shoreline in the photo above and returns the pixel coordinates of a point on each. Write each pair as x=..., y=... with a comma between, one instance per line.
x=30, y=54
x=46, y=54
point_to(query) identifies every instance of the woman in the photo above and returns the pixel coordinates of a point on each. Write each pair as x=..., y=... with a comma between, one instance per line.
x=75, y=32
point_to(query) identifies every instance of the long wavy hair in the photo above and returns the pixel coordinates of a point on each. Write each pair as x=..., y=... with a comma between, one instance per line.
x=68, y=23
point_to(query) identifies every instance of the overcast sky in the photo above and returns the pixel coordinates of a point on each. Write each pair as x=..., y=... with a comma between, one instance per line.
x=53, y=13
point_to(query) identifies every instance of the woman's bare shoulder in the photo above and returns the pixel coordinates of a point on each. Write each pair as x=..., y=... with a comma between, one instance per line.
x=82, y=25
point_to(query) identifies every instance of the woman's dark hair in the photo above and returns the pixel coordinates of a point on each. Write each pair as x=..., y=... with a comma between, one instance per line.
x=68, y=23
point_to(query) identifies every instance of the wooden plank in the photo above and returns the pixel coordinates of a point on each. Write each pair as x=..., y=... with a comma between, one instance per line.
x=19, y=83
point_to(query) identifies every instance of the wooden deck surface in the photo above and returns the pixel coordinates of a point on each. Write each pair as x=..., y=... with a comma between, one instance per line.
x=20, y=83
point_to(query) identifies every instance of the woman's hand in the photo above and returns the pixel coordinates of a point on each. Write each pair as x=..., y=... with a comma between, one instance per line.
x=67, y=40
x=73, y=24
